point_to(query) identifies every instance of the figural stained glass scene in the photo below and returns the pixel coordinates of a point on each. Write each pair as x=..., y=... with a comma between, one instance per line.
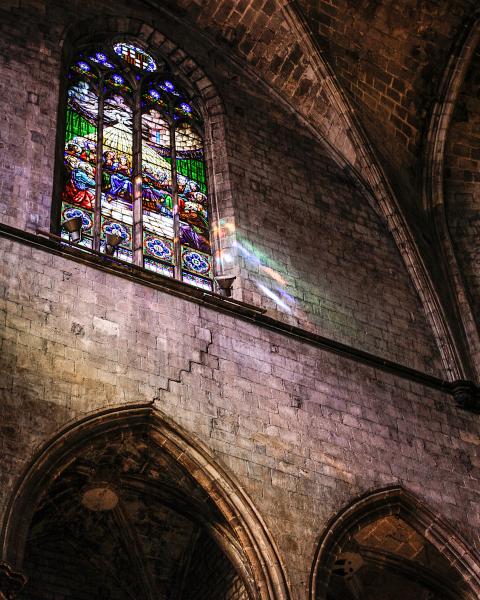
x=162, y=222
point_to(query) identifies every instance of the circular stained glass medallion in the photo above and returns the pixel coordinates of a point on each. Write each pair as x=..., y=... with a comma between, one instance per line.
x=102, y=59
x=186, y=108
x=167, y=86
x=194, y=261
x=83, y=66
x=135, y=56
x=117, y=229
x=118, y=79
x=158, y=248
x=70, y=213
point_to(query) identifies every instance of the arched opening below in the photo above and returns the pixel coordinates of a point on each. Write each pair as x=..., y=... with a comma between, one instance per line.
x=146, y=506
x=388, y=560
x=389, y=546
x=123, y=520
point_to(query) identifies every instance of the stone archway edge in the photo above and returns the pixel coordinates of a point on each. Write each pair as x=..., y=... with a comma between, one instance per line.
x=396, y=500
x=251, y=531
x=367, y=170
x=232, y=501
x=433, y=175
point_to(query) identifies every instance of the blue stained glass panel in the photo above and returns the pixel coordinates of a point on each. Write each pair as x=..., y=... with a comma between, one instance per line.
x=199, y=282
x=101, y=59
x=157, y=247
x=118, y=83
x=168, y=86
x=154, y=94
x=135, y=56
x=70, y=212
x=124, y=250
x=197, y=262
x=158, y=267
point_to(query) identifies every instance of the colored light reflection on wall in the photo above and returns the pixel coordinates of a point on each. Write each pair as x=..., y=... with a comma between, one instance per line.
x=275, y=282
x=278, y=301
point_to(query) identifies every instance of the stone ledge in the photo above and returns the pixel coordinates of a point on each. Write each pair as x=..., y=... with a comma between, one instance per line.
x=214, y=301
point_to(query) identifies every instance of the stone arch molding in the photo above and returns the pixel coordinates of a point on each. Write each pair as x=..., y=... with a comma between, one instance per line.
x=397, y=501
x=261, y=568
x=433, y=178
x=359, y=159
x=153, y=40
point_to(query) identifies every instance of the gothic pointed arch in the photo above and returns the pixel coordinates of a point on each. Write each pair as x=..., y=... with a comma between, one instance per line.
x=131, y=464
x=390, y=538
x=434, y=181
x=358, y=156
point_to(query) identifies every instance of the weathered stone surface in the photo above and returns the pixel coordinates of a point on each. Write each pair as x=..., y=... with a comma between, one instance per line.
x=462, y=189
x=357, y=428
x=303, y=430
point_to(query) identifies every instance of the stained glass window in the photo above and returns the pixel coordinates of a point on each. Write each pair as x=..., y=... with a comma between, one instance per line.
x=134, y=164
x=80, y=151
x=157, y=191
x=117, y=163
x=135, y=56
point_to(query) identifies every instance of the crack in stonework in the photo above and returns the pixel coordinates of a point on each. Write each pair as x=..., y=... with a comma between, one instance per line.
x=191, y=362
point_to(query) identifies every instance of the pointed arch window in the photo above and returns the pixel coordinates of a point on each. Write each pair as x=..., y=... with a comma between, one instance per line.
x=133, y=163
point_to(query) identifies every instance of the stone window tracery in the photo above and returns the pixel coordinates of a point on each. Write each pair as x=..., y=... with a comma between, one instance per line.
x=134, y=168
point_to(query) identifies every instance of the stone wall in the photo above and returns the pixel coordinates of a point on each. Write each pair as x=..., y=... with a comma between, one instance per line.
x=390, y=57
x=302, y=429
x=309, y=237
x=462, y=185
x=310, y=247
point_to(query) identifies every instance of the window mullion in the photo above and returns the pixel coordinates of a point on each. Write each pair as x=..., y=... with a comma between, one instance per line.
x=137, y=181
x=176, y=215
x=97, y=213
